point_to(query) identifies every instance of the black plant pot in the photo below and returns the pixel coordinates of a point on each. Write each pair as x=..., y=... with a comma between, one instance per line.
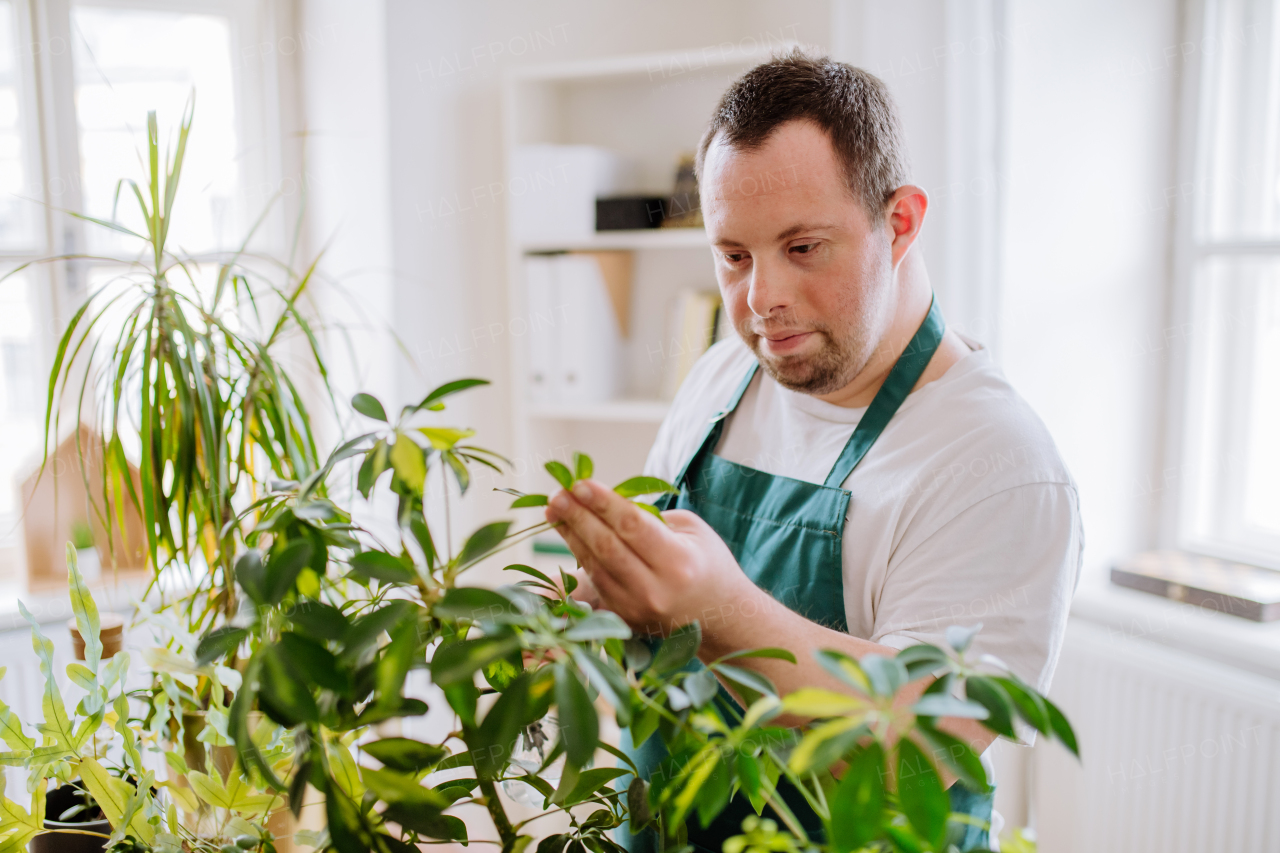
x=69, y=837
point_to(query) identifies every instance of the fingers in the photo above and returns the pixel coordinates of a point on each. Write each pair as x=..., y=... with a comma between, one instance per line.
x=643, y=534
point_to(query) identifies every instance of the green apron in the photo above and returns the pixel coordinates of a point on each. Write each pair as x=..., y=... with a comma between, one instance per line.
x=786, y=535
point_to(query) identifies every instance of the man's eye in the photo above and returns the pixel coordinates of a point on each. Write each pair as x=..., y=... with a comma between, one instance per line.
x=805, y=248
x=734, y=257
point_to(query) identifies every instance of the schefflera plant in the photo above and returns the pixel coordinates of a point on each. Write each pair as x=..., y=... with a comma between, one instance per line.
x=98, y=743
x=341, y=619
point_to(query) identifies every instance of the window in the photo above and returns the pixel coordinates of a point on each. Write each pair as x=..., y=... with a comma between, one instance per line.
x=1229, y=264
x=77, y=78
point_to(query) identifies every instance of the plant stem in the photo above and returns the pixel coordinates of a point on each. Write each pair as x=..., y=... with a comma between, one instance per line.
x=499, y=815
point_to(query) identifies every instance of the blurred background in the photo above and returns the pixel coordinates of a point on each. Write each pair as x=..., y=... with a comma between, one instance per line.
x=1104, y=183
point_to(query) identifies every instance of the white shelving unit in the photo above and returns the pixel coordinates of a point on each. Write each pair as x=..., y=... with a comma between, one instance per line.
x=652, y=109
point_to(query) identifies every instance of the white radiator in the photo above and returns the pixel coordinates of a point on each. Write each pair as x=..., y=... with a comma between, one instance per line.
x=1180, y=755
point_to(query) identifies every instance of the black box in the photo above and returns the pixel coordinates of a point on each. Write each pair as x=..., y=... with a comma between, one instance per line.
x=630, y=212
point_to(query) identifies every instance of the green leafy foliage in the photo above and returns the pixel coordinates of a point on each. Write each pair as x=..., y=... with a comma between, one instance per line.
x=304, y=630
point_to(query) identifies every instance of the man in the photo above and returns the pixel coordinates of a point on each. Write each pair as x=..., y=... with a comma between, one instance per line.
x=878, y=479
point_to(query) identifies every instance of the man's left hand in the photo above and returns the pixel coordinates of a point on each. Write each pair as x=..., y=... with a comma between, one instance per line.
x=656, y=576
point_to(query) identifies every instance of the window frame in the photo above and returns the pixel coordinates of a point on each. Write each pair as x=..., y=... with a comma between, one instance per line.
x=1195, y=487
x=265, y=88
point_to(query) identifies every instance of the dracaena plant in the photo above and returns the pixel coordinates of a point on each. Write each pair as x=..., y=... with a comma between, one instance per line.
x=176, y=360
x=342, y=619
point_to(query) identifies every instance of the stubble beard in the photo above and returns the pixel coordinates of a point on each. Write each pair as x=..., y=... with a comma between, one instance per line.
x=833, y=366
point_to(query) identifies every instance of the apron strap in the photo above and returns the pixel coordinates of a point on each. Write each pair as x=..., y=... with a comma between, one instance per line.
x=902, y=378
x=715, y=426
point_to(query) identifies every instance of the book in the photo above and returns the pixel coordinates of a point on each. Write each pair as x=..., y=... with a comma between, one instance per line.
x=693, y=322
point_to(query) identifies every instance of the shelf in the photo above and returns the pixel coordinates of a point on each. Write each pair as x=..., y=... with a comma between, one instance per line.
x=614, y=411
x=647, y=238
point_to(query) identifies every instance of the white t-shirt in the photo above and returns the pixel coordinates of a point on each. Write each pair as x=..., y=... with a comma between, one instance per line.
x=961, y=512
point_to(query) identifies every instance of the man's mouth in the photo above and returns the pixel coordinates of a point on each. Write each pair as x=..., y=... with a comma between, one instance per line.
x=784, y=342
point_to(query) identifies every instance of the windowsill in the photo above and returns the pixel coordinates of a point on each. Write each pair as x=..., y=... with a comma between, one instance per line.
x=1208, y=634
x=54, y=605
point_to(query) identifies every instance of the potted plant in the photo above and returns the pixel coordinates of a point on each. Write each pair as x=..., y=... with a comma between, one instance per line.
x=297, y=640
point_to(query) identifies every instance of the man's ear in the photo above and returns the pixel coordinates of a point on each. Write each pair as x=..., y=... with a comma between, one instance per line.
x=904, y=216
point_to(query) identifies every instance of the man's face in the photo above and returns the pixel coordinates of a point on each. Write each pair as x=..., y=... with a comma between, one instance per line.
x=804, y=276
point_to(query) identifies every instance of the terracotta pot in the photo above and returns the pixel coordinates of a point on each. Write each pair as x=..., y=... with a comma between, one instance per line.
x=69, y=837
x=111, y=634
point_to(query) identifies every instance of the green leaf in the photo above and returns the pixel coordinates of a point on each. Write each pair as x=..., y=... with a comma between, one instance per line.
x=282, y=569
x=402, y=789
x=921, y=660
x=368, y=628
x=529, y=500
x=320, y=620
x=393, y=664
x=219, y=642
x=636, y=654
x=482, y=542
x=449, y=388
x=750, y=679
x=857, y=805
x=422, y=534
x=112, y=796
x=598, y=625
x=946, y=705
x=678, y=648
x=644, y=724
x=579, y=726
x=583, y=467
x=406, y=755
x=991, y=696
x=531, y=572
x=701, y=686
x=591, y=781
x=441, y=826
x=826, y=743
x=561, y=473
x=57, y=726
x=86, y=611
x=818, y=703
x=458, y=661
x=475, y=604
x=409, y=463
x=637, y=486
x=1061, y=728
x=444, y=438
x=369, y=406
x=491, y=743
x=957, y=755
x=776, y=654
x=383, y=567
x=606, y=678
x=1028, y=704
x=251, y=575
x=845, y=668
x=959, y=637
x=314, y=662
x=886, y=675
x=920, y=793
x=285, y=698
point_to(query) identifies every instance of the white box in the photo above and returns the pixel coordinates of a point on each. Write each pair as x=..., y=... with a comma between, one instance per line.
x=553, y=190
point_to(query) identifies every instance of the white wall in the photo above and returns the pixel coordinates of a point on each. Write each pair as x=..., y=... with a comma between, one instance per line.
x=445, y=67
x=1086, y=249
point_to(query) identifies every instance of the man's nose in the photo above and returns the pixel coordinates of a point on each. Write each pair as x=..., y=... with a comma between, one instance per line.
x=771, y=292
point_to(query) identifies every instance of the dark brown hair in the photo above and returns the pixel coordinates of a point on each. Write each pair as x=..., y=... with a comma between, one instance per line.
x=851, y=105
